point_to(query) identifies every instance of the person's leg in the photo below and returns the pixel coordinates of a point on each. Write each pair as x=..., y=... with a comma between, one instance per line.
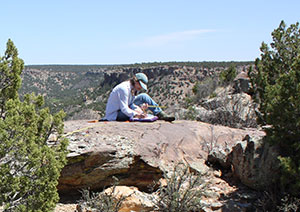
x=121, y=116
x=145, y=98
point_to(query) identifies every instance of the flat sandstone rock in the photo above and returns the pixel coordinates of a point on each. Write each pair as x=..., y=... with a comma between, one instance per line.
x=137, y=153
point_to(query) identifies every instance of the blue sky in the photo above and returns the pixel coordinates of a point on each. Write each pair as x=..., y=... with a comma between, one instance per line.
x=136, y=31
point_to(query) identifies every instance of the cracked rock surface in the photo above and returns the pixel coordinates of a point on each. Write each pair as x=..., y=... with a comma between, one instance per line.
x=137, y=153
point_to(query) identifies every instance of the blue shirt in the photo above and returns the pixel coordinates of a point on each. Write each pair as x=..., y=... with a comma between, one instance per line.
x=120, y=99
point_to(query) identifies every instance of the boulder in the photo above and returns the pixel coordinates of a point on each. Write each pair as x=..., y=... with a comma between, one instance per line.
x=93, y=162
x=135, y=200
x=131, y=199
x=252, y=161
x=137, y=153
x=241, y=83
x=235, y=110
x=255, y=163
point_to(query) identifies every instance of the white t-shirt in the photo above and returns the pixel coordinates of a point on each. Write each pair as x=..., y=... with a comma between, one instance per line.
x=119, y=99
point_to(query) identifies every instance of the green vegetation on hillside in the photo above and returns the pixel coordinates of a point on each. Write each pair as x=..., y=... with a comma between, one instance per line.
x=77, y=88
x=68, y=68
x=62, y=90
x=84, y=68
x=203, y=64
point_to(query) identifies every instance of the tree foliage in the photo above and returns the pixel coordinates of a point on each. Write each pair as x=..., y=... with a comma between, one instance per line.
x=29, y=163
x=228, y=75
x=10, y=70
x=276, y=86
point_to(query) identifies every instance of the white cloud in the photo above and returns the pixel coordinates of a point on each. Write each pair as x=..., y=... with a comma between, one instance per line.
x=175, y=37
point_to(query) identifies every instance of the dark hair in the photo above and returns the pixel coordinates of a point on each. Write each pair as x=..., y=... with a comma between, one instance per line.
x=133, y=80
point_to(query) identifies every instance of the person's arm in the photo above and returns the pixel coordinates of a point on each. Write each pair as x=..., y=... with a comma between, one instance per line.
x=141, y=110
x=124, y=97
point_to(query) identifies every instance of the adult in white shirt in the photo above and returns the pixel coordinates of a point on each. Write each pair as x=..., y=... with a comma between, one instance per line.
x=123, y=103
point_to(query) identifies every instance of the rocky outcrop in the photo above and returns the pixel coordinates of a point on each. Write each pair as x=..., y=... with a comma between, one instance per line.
x=137, y=153
x=241, y=83
x=255, y=163
x=252, y=161
x=234, y=110
x=94, y=161
x=231, y=106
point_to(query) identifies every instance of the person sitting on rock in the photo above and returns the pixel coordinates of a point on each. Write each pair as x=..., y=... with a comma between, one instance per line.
x=124, y=103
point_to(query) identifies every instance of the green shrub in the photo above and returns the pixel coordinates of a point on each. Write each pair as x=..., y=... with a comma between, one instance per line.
x=190, y=113
x=182, y=192
x=276, y=87
x=273, y=202
x=102, y=201
x=213, y=95
x=205, y=88
x=30, y=165
x=228, y=75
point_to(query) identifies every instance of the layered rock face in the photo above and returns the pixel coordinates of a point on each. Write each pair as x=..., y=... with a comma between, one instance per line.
x=137, y=153
x=255, y=163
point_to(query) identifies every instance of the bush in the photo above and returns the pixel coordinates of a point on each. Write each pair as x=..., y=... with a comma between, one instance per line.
x=190, y=113
x=289, y=204
x=104, y=201
x=182, y=192
x=276, y=87
x=205, y=88
x=228, y=75
x=29, y=164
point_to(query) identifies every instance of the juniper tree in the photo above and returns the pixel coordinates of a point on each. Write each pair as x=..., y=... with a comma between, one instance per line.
x=30, y=164
x=228, y=75
x=10, y=70
x=276, y=88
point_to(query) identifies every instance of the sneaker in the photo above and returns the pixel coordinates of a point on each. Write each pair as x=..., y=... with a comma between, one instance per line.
x=163, y=116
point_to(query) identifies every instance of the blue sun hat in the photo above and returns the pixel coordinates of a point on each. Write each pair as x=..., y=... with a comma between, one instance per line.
x=143, y=80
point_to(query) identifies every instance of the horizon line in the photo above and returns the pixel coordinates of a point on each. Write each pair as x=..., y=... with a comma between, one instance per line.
x=121, y=64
